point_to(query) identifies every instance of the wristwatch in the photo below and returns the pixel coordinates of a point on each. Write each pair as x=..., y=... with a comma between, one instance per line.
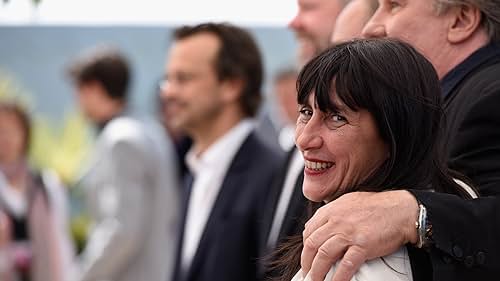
x=424, y=228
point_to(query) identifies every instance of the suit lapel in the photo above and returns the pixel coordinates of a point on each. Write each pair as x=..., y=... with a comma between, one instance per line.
x=186, y=193
x=292, y=223
x=233, y=181
x=272, y=203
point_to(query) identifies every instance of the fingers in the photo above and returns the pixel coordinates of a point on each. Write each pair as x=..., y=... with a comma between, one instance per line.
x=319, y=218
x=328, y=254
x=350, y=264
x=313, y=239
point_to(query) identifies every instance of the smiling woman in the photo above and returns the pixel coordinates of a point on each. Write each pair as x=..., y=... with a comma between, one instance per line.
x=341, y=149
x=370, y=120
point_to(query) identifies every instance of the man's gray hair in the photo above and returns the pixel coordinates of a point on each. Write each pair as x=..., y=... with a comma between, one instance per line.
x=490, y=12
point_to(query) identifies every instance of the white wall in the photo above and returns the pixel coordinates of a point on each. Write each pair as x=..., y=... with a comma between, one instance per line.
x=244, y=12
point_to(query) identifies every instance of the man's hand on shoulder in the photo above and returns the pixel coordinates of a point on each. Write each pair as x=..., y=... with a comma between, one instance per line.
x=357, y=227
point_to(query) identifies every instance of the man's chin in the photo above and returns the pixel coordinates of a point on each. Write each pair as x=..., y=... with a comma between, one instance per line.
x=178, y=125
x=304, y=59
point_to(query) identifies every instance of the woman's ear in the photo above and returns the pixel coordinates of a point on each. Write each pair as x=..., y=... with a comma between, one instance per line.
x=466, y=19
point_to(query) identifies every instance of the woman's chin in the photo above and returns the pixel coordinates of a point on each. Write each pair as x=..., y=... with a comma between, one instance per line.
x=314, y=195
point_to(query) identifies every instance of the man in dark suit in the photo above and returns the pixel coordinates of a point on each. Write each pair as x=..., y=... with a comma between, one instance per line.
x=461, y=39
x=212, y=84
x=287, y=205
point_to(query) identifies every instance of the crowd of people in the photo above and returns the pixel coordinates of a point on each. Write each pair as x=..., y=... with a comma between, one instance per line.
x=384, y=163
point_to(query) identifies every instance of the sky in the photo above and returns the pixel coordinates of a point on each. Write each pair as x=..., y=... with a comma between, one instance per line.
x=146, y=12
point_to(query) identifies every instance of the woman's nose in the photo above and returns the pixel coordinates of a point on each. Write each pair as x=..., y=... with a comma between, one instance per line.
x=308, y=136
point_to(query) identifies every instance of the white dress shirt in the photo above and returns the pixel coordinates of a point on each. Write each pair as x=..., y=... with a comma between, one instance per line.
x=209, y=170
x=286, y=137
x=295, y=167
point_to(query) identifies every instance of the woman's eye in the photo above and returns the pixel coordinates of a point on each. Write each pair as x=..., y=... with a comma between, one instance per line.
x=338, y=118
x=335, y=121
x=305, y=113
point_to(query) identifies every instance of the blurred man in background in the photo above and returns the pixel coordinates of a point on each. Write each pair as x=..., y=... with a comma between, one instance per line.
x=213, y=79
x=131, y=186
x=276, y=127
x=352, y=19
x=286, y=94
x=313, y=25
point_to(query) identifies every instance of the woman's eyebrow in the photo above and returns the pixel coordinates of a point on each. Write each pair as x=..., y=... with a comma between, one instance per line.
x=340, y=107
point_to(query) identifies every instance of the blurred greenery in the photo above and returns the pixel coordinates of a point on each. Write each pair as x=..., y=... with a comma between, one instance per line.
x=60, y=146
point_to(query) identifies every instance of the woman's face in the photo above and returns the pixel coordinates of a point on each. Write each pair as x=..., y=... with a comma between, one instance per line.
x=11, y=138
x=340, y=149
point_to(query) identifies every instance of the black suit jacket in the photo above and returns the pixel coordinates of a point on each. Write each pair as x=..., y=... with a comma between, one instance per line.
x=293, y=221
x=295, y=216
x=229, y=245
x=466, y=234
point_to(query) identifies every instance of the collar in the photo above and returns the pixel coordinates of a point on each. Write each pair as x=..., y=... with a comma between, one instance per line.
x=101, y=125
x=222, y=151
x=457, y=74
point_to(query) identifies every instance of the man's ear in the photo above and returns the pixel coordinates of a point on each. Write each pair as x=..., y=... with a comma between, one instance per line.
x=232, y=89
x=466, y=19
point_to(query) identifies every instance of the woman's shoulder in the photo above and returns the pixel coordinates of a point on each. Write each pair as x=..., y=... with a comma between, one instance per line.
x=394, y=267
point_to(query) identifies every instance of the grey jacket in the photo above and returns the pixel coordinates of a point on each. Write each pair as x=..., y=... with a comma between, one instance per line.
x=132, y=190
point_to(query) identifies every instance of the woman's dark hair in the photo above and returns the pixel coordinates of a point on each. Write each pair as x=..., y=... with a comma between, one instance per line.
x=400, y=88
x=24, y=120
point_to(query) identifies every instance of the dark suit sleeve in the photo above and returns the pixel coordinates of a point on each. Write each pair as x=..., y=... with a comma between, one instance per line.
x=476, y=148
x=465, y=235
x=466, y=232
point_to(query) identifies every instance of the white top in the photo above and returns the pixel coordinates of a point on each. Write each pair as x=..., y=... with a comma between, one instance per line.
x=295, y=168
x=209, y=170
x=394, y=267
x=14, y=200
x=286, y=137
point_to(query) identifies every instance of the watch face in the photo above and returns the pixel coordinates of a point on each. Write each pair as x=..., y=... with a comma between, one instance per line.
x=421, y=225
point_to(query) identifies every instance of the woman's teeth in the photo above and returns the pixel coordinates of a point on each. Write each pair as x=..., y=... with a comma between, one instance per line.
x=318, y=166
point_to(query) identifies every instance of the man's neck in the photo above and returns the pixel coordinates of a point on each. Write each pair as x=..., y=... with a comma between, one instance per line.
x=102, y=122
x=459, y=52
